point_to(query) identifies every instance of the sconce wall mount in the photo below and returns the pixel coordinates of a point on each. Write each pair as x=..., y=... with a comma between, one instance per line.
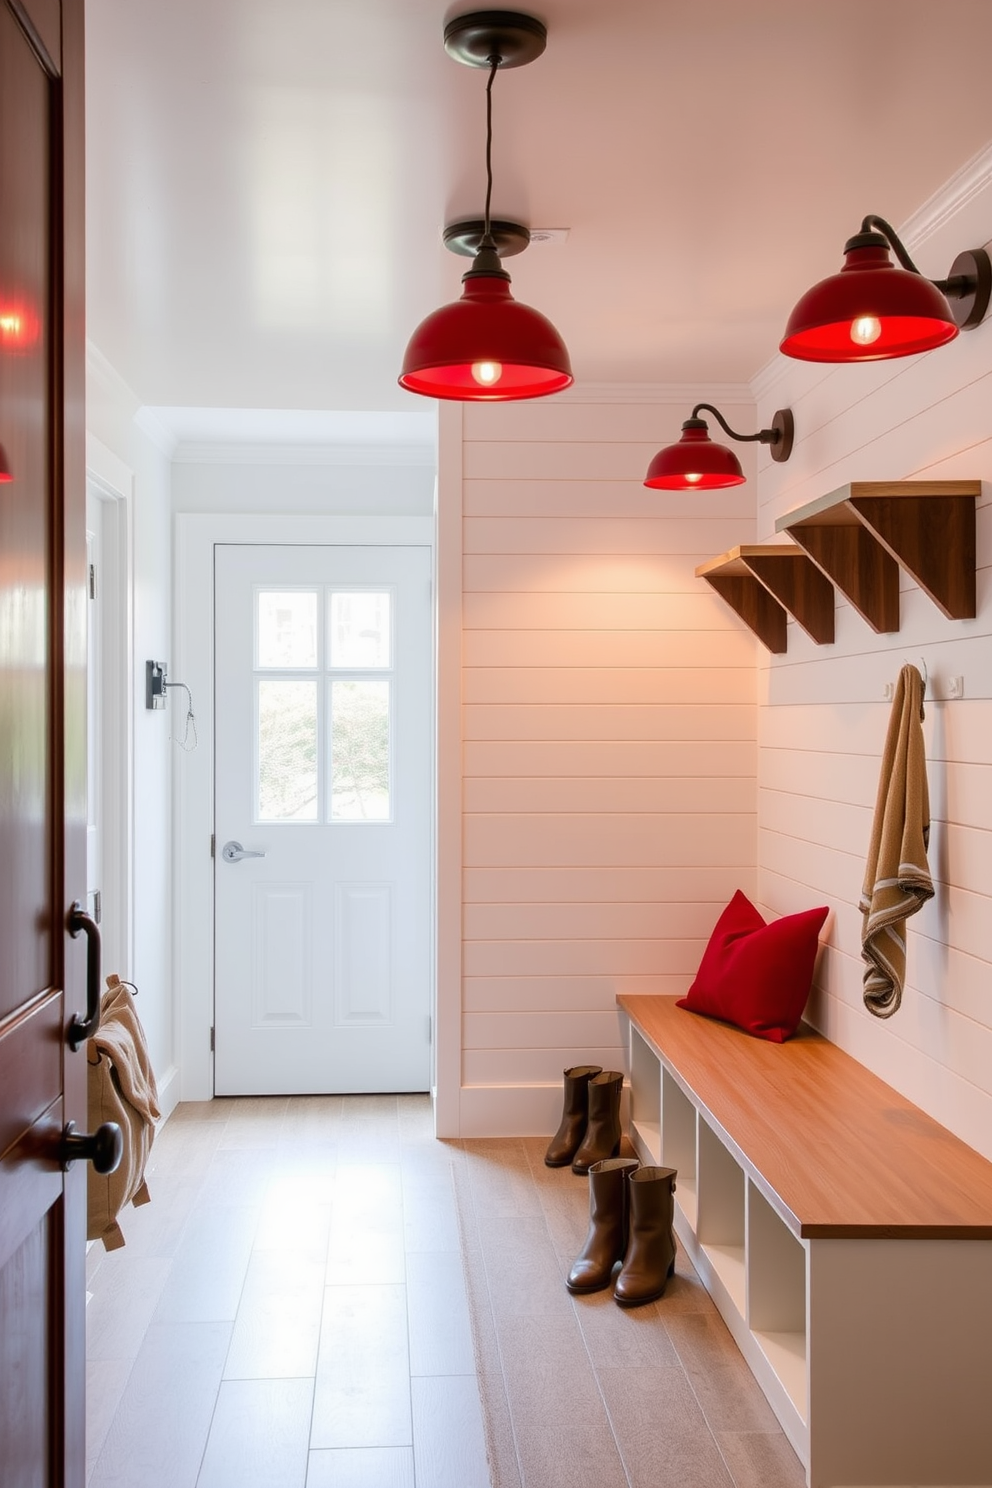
x=697, y=464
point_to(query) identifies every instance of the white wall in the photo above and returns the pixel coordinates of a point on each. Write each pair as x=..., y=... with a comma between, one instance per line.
x=304, y=482
x=110, y=418
x=607, y=787
x=822, y=720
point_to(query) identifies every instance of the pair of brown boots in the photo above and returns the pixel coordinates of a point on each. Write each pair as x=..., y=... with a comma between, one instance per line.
x=631, y=1209
x=590, y=1121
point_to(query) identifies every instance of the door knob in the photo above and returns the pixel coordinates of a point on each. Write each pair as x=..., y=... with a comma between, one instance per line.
x=104, y=1148
x=233, y=852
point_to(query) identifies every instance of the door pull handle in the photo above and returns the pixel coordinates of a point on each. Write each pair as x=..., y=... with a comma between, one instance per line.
x=78, y=922
x=233, y=852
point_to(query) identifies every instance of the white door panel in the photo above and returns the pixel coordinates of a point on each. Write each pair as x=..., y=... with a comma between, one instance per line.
x=323, y=706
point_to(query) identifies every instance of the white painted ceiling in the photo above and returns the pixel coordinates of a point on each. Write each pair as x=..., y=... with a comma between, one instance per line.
x=267, y=179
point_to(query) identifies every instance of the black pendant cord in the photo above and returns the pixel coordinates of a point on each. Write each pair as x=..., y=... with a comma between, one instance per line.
x=763, y=436
x=494, y=62
x=486, y=264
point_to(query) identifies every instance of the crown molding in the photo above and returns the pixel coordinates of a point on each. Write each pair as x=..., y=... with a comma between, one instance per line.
x=974, y=177
x=103, y=371
x=392, y=456
x=676, y=393
x=154, y=429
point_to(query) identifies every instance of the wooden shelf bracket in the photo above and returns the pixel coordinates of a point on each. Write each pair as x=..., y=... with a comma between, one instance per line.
x=863, y=533
x=764, y=583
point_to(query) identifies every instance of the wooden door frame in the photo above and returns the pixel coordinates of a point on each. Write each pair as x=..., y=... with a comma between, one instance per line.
x=193, y=795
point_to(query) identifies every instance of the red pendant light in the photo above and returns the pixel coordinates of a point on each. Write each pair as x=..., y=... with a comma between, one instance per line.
x=487, y=347
x=874, y=310
x=6, y=475
x=697, y=464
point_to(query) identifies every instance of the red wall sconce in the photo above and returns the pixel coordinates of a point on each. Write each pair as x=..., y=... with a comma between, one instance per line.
x=872, y=310
x=697, y=464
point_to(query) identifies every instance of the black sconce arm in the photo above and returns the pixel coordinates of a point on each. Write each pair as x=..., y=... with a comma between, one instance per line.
x=970, y=277
x=780, y=435
x=873, y=224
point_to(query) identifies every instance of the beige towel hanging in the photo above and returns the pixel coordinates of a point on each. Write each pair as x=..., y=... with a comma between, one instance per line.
x=897, y=874
x=121, y=1089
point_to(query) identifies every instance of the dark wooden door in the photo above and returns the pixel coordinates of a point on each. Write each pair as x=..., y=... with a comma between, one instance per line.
x=42, y=742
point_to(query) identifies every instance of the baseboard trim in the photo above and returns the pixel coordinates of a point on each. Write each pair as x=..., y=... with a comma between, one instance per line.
x=168, y=1093
x=515, y=1110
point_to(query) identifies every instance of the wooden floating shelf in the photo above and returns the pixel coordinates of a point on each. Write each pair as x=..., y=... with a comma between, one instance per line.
x=762, y=582
x=863, y=533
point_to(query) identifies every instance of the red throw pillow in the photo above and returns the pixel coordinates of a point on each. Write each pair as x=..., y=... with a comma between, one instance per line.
x=754, y=975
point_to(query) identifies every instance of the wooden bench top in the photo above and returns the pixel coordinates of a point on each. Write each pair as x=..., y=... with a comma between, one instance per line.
x=836, y=1151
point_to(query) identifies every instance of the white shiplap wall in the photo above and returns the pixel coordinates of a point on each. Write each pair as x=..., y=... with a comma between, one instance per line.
x=608, y=734
x=822, y=719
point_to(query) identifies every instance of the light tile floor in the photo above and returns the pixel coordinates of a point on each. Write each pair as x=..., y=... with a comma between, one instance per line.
x=290, y=1312
x=585, y=1394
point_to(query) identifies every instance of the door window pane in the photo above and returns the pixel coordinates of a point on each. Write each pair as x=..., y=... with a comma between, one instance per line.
x=287, y=751
x=360, y=629
x=287, y=628
x=359, y=751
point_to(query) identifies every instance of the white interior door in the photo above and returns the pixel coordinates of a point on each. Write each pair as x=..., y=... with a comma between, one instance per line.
x=323, y=810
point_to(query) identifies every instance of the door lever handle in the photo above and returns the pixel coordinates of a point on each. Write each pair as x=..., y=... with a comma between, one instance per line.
x=233, y=852
x=78, y=922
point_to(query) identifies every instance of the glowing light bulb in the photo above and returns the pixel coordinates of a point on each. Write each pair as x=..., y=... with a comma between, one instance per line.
x=486, y=373
x=865, y=330
x=694, y=478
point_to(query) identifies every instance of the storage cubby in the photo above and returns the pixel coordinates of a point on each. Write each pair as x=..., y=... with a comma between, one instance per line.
x=776, y=1296
x=678, y=1142
x=845, y=1237
x=645, y=1099
x=720, y=1215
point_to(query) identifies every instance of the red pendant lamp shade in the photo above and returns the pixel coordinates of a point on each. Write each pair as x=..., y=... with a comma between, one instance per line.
x=6, y=475
x=486, y=347
x=874, y=309
x=870, y=311
x=695, y=463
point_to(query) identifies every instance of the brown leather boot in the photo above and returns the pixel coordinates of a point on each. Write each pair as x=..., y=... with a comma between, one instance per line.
x=575, y=1114
x=650, y=1258
x=602, y=1135
x=607, y=1237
